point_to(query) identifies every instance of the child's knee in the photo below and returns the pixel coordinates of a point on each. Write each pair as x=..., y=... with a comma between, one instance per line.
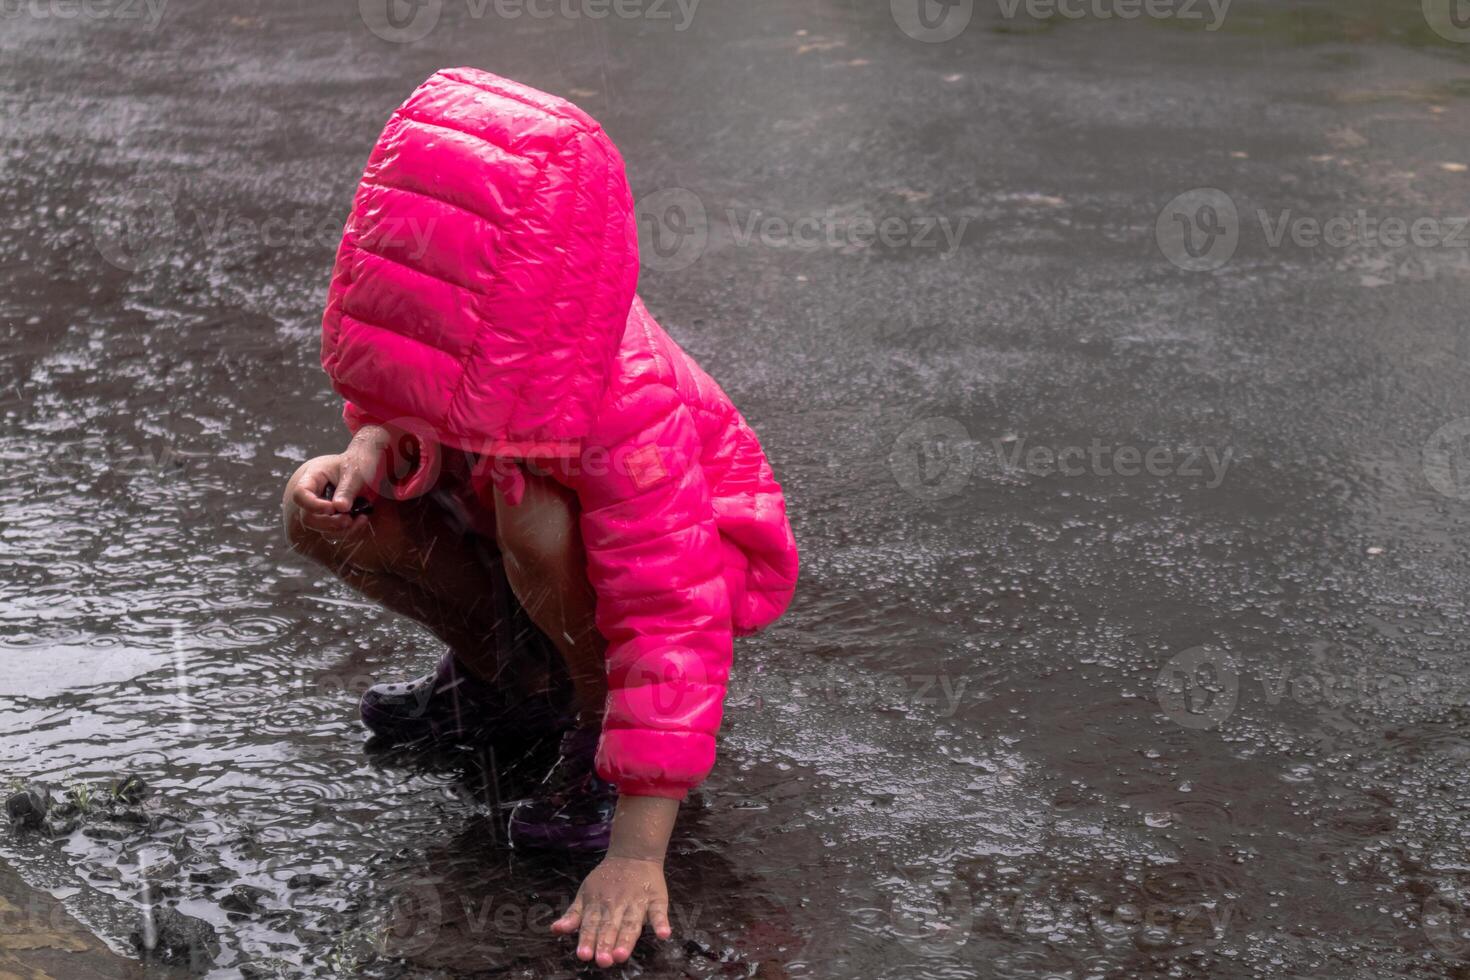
x=539, y=535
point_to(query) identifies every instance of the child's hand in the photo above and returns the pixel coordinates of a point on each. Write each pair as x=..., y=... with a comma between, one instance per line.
x=611, y=906
x=326, y=493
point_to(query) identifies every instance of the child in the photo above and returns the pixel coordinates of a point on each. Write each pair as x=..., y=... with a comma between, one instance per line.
x=540, y=476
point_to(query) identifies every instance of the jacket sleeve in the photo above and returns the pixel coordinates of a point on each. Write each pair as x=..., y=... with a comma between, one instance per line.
x=422, y=476
x=355, y=417
x=655, y=562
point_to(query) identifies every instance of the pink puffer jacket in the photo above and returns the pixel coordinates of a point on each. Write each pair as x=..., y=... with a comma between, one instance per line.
x=483, y=296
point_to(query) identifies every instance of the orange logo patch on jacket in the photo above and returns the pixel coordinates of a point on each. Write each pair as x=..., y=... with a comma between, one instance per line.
x=646, y=466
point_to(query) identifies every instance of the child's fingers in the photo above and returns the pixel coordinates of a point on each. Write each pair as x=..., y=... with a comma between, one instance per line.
x=607, y=936
x=346, y=492
x=333, y=521
x=570, y=919
x=307, y=497
x=587, y=940
x=628, y=934
x=328, y=523
x=658, y=918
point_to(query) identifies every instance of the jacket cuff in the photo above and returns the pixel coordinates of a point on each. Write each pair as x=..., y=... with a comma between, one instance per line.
x=355, y=417
x=422, y=479
x=668, y=791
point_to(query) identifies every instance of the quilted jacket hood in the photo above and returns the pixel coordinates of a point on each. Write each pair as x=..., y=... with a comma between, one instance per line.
x=486, y=271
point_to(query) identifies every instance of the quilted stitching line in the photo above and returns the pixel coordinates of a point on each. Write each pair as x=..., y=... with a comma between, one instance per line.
x=413, y=340
x=431, y=124
x=545, y=340
x=439, y=200
x=514, y=97
x=474, y=349
x=423, y=272
x=605, y=288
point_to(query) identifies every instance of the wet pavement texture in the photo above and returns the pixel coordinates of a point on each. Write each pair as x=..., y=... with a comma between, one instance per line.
x=39, y=940
x=1129, y=640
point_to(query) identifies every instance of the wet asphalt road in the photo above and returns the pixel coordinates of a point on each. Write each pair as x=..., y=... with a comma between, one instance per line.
x=1116, y=373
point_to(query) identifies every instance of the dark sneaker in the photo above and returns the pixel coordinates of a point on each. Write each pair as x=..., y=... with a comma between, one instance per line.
x=453, y=706
x=573, y=808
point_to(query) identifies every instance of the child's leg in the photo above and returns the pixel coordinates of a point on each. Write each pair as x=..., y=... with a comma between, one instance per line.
x=409, y=559
x=547, y=569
